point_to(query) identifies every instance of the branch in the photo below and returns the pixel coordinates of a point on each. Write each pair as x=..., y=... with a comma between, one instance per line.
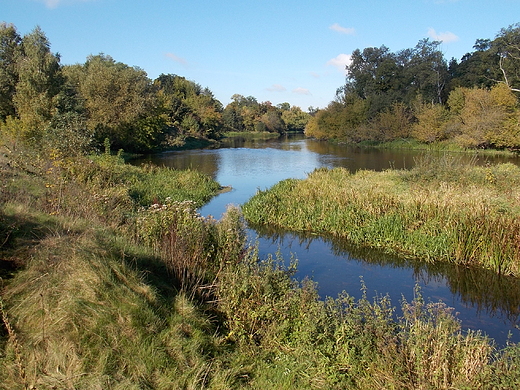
x=503, y=71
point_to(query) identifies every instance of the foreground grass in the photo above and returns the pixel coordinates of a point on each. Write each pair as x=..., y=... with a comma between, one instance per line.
x=442, y=210
x=122, y=291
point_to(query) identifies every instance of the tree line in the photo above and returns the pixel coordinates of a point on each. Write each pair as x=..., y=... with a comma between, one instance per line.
x=76, y=107
x=415, y=93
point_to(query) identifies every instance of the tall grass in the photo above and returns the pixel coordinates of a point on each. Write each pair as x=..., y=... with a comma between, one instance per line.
x=442, y=210
x=159, y=297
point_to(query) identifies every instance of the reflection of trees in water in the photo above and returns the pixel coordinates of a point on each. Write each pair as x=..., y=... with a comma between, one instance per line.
x=355, y=157
x=204, y=161
x=487, y=291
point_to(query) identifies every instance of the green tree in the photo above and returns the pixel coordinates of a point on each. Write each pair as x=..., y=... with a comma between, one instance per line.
x=283, y=106
x=477, y=69
x=343, y=119
x=384, y=78
x=372, y=75
x=295, y=119
x=39, y=83
x=507, y=44
x=272, y=120
x=116, y=97
x=232, y=118
x=427, y=71
x=243, y=114
x=68, y=132
x=191, y=111
x=10, y=51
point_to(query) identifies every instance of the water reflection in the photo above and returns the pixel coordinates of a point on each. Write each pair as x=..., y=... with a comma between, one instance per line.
x=202, y=160
x=483, y=299
x=482, y=289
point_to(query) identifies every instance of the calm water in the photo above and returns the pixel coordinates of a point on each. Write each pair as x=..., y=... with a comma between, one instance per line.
x=482, y=299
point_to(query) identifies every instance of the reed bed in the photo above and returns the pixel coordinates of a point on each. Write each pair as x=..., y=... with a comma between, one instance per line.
x=438, y=211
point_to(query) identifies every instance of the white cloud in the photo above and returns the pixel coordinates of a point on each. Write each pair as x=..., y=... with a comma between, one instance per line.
x=445, y=37
x=276, y=88
x=51, y=3
x=55, y=3
x=343, y=30
x=340, y=62
x=315, y=75
x=177, y=59
x=302, y=91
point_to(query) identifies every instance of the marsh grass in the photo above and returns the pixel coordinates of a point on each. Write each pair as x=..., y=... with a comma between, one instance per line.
x=442, y=210
x=195, y=249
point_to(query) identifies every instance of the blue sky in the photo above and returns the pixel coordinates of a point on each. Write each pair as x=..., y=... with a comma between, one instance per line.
x=279, y=51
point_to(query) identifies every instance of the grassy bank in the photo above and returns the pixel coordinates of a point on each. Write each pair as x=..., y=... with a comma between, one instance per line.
x=122, y=285
x=442, y=210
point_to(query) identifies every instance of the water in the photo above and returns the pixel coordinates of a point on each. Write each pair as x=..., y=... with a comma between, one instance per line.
x=482, y=299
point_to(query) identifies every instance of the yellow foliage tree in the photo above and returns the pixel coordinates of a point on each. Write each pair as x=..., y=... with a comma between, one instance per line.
x=431, y=125
x=488, y=118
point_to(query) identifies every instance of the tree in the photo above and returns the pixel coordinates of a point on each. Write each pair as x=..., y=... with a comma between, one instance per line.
x=192, y=111
x=243, y=114
x=342, y=119
x=68, y=132
x=371, y=76
x=507, y=44
x=476, y=69
x=10, y=51
x=272, y=120
x=427, y=71
x=486, y=117
x=384, y=78
x=39, y=81
x=295, y=119
x=116, y=96
x=283, y=106
x=232, y=118
x=390, y=124
x=431, y=124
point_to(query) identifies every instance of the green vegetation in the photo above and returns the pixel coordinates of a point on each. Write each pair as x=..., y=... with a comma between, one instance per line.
x=442, y=209
x=250, y=135
x=117, y=284
x=415, y=94
x=76, y=107
x=245, y=114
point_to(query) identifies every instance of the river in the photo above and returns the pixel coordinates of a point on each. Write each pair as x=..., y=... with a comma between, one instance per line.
x=481, y=299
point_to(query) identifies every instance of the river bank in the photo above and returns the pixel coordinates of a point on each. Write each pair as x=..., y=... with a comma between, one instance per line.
x=123, y=284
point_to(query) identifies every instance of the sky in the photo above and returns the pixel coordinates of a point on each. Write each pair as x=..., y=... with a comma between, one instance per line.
x=291, y=51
